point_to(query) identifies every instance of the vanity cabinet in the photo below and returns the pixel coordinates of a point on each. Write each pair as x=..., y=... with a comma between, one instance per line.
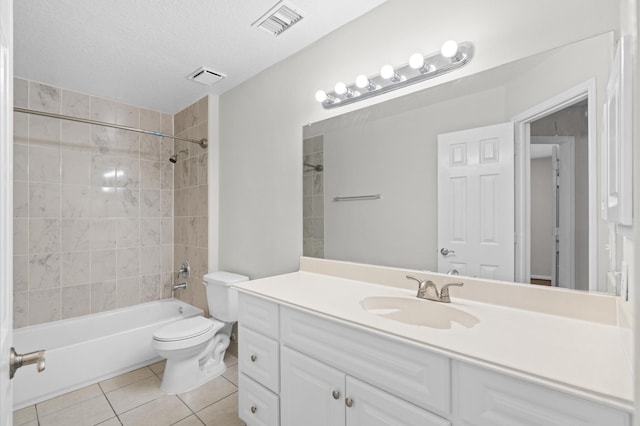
x=298, y=367
x=314, y=394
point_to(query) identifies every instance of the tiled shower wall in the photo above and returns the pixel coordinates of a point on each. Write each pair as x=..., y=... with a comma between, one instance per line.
x=93, y=206
x=313, y=198
x=191, y=201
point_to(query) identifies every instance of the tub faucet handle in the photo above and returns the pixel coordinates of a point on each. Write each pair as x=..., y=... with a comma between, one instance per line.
x=184, y=271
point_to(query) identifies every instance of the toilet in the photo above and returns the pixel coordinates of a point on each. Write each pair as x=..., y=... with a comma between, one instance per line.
x=194, y=347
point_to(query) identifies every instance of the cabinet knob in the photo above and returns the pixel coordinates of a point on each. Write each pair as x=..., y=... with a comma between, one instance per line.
x=348, y=402
x=254, y=409
x=254, y=357
x=335, y=394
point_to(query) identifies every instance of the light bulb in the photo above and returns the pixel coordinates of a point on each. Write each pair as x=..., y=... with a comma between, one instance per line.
x=321, y=96
x=340, y=88
x=449, y=49
x=362, y=81
x=387, y=72
x=416, y=61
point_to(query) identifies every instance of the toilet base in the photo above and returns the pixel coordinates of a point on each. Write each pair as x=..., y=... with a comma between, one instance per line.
x=180, y=376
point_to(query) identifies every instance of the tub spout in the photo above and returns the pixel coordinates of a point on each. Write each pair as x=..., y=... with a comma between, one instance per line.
x=175, y=287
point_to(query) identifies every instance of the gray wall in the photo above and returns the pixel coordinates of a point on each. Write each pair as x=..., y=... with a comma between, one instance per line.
x=541, y=217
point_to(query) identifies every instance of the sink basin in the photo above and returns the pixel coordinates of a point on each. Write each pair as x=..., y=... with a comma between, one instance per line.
x=419, y=312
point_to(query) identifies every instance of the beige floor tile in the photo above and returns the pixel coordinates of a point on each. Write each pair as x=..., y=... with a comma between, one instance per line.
x=158, y=367
x=222, y=413
x=212, y=391
x=189, y=421
x=67, y=400
x=89, y=412
x=31, y=423
x=25, y=415
x=163, y=411
x=133, y=395
x=125, y=379
x=230, y=360
x=232, y=374
x=111, y=422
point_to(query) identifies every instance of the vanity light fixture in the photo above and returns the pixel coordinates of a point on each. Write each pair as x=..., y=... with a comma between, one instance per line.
x=451, y=56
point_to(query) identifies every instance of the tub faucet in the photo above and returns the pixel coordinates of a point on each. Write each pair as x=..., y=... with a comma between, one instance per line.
x=175, y=287
x=428, y=290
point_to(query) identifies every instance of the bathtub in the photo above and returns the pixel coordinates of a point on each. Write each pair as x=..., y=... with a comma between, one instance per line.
x=83, y=350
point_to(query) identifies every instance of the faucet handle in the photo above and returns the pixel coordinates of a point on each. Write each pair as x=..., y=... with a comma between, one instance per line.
x=444, y=291
x=419, y=281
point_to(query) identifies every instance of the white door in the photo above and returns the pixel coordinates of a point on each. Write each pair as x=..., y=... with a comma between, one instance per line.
x=6, y=207
x=476, y=202
x=370, y=406
x=312, y=393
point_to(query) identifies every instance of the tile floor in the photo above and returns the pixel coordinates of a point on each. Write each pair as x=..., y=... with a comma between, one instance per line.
x=135, y=398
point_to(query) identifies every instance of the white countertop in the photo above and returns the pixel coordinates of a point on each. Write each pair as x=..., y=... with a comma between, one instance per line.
x=583, y=357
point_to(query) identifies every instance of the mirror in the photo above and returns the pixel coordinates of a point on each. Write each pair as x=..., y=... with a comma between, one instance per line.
x=370, y=177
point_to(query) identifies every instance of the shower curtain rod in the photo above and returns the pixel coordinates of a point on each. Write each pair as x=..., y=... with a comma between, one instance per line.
x=202, y=142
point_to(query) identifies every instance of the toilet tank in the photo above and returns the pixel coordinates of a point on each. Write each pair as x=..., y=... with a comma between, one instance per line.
x=221, y=297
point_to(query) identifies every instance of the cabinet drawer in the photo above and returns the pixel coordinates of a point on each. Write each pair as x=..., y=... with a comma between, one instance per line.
x=256, y=405
x=258, y=358
x=258, y=314
x=405, y=370
x=486, y=398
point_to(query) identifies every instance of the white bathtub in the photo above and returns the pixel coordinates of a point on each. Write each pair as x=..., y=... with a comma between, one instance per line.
x=87, y=349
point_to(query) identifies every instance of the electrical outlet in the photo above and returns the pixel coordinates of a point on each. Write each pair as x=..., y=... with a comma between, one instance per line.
x=624, y=281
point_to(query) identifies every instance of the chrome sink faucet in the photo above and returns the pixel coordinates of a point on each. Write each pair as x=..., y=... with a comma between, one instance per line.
x=428, y=290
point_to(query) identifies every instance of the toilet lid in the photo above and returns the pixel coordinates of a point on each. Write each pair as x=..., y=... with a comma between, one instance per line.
x=184, y=329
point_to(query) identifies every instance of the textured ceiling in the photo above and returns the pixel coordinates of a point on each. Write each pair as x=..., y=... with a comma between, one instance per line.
x=140, y=51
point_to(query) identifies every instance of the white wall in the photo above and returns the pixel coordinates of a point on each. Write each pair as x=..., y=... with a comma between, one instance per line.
x=261, y=120
x=541, y=217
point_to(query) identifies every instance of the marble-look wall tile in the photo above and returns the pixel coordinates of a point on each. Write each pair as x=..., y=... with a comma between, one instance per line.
x=75, y=268
x=128, y=233
x=150, y=288
x=79, y=194
x=43, y=97
x=76, y=301
x=103, y=296
x=127, y=292
x=20, y=199
x=151, y=260
x=76, y=167
x=44, y=306
x=20, y=310
x=44, y=235
x=21, y=93
x=20, y=162
x=76, y=235
x=75, y=104
x=20, y=236
x=44, y=271
x=20, y=273
x=76, y=201
x=103, y=265
x=203, y=170
x=150, y=232
x=128, y=262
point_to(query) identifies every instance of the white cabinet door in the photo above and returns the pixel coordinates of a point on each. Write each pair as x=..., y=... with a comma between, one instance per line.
x=312, y=393
x=476, y=202
x=369, y=406
x=485, y=398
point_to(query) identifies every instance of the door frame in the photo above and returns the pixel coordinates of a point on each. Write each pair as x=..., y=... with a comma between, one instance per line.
x=522, y=123
x=6, y=207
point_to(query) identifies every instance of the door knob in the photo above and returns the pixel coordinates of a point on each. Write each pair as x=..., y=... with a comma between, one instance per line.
x=348, y=402
x=445, y=251
x=16, y=361
x=335, y=394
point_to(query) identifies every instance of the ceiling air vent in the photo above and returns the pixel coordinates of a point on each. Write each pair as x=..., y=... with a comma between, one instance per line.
x=205, y=76
x=279, y=18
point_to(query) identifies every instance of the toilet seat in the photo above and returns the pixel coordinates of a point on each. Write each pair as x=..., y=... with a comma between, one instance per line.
x=187, y=328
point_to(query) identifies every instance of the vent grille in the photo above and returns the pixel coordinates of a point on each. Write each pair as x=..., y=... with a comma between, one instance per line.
x=279, y=18
x=205, y=76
